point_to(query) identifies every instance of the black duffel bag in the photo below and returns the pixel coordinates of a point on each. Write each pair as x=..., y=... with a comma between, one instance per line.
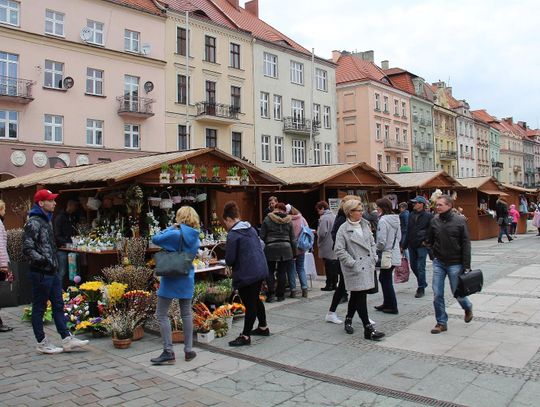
x=470, y=282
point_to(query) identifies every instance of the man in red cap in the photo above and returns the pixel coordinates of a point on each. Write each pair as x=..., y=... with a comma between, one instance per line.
x=40, y=249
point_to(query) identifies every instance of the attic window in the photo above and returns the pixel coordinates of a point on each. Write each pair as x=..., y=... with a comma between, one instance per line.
x=200, y=13
x=283, y=42
x=385, y=80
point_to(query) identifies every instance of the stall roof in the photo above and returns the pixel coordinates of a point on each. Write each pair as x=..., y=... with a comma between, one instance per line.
x=487, y=185
x=320, y=174
x=428, y=179
x=520, y=189
x=118, y=171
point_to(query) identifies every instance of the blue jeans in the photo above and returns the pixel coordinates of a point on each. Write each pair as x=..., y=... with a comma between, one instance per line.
x=503, y=230
x=440, y=271
x=418, y=264
x=47, y=287
x=297, y=267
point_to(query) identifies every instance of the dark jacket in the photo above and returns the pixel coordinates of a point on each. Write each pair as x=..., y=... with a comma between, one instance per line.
x=417, y=229
x=38, y=241
x=64, y=228
x=373, y=219
x=278, y=236
x=403, y=223
x=340, y=220
x=448, y=236
x=501, y=209
x=244, y=253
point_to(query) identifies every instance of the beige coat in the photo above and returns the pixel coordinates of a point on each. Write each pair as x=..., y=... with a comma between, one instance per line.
x=357, y=256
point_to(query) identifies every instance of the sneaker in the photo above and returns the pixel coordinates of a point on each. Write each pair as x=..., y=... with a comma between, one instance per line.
x=240, y=341
x=419, y=293
x=439, y=328
x=333, y=318
x=166, y=358
x=70, y=342
x=468, y=316
x=190, y=355
x=260, y=332
x=45, y=346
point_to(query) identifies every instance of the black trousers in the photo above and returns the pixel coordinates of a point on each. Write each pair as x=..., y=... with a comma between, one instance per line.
x=254, y=306
x=387, y=286
x=282, y=268
x=340, y=291
x=331, y=269
x=358, y=303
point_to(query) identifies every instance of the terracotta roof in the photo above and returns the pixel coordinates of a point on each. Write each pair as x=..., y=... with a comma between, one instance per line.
x=420, y=179
x=533, y=132
x=147, y=6
x=394, y=71
x=483, y=116
x=351, y=69
x=402, y=81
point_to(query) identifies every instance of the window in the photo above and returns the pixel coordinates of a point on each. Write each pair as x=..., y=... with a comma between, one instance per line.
x=405, y=160
x=235, y=56
x=299, y=152
x=270, y=65
x=397, y=133
x=211, y=138
x=396, y=107
x=378, y=131
x=54, y=128
x=235, y=98
x=265, y=148
x=316, y=113
x=54, y=74
x=9, y=12
x=131, y=136
x=132, y=41
x=264, y=104
x=94, y=132
x=209, y=48
x=379, y=162
x=181, y=41
x=94, y=81
x=327, y=153
x=386, y=132
x=317, y=154
x=131, y=93
x=97, y=32
x=183, y=137
x=54, y=23
x=297, y=73
x=9, y=124
x=278, y=149
x=297, y=111
x=321, y=79
x=398, y=163
x=388, y=163
x=182, y=89
x=403, y=109
x=385, y=104
x=277, y=107
x=405, y=136
x=326, y=117
x=377, y=102
x=210, y=92
x=236, y=146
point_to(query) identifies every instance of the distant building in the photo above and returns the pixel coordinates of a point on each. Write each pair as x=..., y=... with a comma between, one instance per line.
x=495, y=128
x=512, y=152
x=444, y=119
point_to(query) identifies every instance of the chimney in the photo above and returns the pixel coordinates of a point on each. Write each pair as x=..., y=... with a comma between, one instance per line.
x=449, y=90
x=523, y=125
x=234, y=3
x=440, y=84
x=509, y=120
x=335, y=56
x=252, y=7
x=385, y=64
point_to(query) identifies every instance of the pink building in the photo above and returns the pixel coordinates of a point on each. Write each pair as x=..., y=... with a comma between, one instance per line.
x=372, y=116
x=80, y=82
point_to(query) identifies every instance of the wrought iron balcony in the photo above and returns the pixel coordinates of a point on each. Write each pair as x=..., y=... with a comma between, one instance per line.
x=134, y=106
x=517, y=168
x=530, y=171
x=294, y=125
x=16, y=90
x=423, y=146
x=217, y=112
x=448, y=155
x=390, y=144
x=497, y=165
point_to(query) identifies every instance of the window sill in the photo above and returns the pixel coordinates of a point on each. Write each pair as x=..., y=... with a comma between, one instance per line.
x=299, y=84
x=271, y=77
x=95, y=146
x=132, y=148
x=237, y=69
x=211, y=62
x=58, y=143
x=55, y=89
x=55, y=35
x=14, y=139
x=9, y=24
x=94, y=95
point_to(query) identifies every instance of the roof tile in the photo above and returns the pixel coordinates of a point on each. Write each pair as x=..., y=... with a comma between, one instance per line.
x=351, y=68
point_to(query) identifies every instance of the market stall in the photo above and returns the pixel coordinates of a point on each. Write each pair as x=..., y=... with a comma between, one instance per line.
x=522, y=198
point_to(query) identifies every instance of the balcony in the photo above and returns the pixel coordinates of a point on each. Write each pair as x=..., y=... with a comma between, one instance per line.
x=497, y=165
x=396, y=145
x=518, y=183
x=15, y=90
x=293, y=125
x=134, y=106
x=448, y=155
x=423, y=147
x=216, y=112
x=530, y=171
x=466, y=155
x=517, y=168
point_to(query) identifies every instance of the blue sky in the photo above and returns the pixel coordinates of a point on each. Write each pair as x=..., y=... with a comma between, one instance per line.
x=488, y=51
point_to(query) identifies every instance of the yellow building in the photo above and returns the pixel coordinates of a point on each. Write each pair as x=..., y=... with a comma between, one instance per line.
x=445, y=134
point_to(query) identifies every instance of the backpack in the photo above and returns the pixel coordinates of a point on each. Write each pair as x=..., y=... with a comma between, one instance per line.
x=305, y=239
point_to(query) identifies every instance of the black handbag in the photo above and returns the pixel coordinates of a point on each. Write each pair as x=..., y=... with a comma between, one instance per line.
x=469, y=283
x=174, y=264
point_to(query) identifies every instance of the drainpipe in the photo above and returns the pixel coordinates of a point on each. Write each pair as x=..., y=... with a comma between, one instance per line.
x=311, y=146
x=187, y=84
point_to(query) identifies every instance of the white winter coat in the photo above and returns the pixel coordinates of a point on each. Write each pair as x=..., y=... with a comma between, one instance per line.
x=389, y=229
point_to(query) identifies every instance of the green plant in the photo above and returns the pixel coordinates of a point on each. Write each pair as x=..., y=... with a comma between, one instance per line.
x=177, y=168
x=189, y=168
x=164, y=168
x=136, y=278
x=204, y=171
x=244, y=173
x=232, y=171
x=215, y=171
x=123, y=322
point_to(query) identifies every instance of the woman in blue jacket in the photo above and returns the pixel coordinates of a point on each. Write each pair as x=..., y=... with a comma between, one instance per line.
x=180, y=287
x=244, y=253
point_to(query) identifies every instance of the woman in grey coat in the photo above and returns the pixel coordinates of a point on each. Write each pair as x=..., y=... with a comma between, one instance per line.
x=356, y=251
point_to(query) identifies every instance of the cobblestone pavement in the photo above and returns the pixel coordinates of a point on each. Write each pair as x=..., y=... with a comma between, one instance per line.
x=493, y=361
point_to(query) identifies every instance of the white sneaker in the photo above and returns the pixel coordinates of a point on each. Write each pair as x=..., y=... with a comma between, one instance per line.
x=372, y=322
x=45, y=346
x=70, y=342
x=333, y=318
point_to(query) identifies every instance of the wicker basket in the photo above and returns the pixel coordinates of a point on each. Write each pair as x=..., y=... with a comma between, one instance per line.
x=217, y=298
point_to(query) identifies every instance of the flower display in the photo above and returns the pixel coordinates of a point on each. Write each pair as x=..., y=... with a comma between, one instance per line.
x=92, y=290
x=114, y=292
x=140, y=302
x=76, y=311
x=47, y=317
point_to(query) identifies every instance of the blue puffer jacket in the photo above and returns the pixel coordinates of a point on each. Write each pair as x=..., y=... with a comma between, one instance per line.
x=244, y=253
x=181, y=286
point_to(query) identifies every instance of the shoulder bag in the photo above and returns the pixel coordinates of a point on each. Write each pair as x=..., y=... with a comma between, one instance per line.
x=174, y=264
x=386, y=256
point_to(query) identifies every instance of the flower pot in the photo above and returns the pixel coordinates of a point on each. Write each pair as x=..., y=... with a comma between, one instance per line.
x=178, y=336
x=138, y=333
x=189, y=178
x=232, y=180
x=244, y=181
x=203, y=179
x=93, y=309
x=164, y=178
x=178, y=178
x=121, y=343
x=206, y=337
x=216, y=180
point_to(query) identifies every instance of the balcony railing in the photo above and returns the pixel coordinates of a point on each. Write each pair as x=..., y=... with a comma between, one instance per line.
x=530, y=171
x=538, y=170
x=15, y=89
x=135, y=106
x=448, y=155
x=497, y=165
x=300, y=126
x=423, y=146
x=517, y=168
x=390, y=144
x=217, y=110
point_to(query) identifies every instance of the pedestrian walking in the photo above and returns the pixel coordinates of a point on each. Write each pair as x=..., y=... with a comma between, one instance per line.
x=501, y=210
x=4, y=257
x=404, y=224
x=536, y=218
x=182, y=236
x=417, y=230
x=244, y=253
x=280, y=246
x=65, y=223
x=357, y=253
x=514, y=213
x=40, y=249
x=449, y=238
x=297, y=264
x=388, y=238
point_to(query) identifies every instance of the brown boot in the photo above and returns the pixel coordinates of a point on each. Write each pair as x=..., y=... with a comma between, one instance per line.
x=468, y=315
x=304, y=292
x=439, y=328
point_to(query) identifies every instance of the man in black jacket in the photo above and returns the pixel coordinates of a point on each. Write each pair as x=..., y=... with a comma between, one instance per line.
x=449, y=238
x=417, y=230
x=40, y=249
x=64, y=230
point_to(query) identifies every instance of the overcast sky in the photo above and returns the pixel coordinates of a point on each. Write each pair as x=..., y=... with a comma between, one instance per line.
x=488, y=51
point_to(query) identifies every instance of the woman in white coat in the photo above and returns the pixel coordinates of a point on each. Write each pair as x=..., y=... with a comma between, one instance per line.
x=357, y=254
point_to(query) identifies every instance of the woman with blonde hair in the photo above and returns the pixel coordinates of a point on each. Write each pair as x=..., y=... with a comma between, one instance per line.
x=182, y=236
x=4, y=258
x=356, y=250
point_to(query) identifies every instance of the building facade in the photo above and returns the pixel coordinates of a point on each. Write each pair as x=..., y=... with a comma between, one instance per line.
x=444, y=120
x=80, y=82
x=481, y=131
x=511, y=153
x=534, y=135
x=495, y=129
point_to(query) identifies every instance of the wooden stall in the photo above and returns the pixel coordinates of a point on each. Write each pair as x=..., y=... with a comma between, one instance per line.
x=515, y=195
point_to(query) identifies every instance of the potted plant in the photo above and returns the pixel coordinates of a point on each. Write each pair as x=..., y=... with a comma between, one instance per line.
x=93, y=292
x=122, y=322
x=244, y=176
x=177, y=329
x=215, y=174
x=189, y=177
x=138, y=301
x=204, y=174
x=178, y=176
x=232, y=176
x=164, y=176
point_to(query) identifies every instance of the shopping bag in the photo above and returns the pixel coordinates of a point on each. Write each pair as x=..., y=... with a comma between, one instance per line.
x=401, y=272
x=309, y=264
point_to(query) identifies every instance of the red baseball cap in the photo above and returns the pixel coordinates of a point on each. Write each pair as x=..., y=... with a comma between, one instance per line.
x=44, y=195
